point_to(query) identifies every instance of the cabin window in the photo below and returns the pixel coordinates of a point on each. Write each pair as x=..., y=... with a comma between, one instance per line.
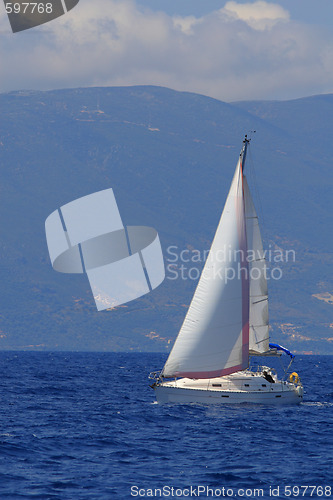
x=278, y=396
x=263, y=385
x=224, y=396
x=247, y=385
x=216, y=385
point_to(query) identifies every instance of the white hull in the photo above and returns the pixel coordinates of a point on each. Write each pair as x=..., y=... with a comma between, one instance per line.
x=238, y=388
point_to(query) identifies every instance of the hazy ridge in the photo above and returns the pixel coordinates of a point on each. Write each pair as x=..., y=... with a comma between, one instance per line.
x=169, y=156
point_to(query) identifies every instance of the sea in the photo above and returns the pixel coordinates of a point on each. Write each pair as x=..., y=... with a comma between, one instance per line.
x=82, y=426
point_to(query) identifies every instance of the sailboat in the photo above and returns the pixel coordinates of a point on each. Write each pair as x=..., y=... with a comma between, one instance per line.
x=227, y=321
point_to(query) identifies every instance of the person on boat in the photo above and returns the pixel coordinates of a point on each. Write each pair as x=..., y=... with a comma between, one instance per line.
x=268, y=377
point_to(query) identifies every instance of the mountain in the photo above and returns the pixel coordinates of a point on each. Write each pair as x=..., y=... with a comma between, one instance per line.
x=169, y=157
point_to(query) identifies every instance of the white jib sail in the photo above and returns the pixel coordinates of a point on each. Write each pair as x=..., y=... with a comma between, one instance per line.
x=213, y=340
x=259, y=329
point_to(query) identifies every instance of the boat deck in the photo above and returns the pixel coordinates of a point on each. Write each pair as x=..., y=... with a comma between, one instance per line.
x=246, y=381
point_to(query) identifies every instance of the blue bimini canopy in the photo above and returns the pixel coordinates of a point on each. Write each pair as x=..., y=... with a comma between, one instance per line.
x=280, y=348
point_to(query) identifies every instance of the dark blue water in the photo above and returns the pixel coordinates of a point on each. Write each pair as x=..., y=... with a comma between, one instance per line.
x=85, y=426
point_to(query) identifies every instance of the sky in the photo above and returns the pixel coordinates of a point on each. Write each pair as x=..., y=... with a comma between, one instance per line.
x=230, y=50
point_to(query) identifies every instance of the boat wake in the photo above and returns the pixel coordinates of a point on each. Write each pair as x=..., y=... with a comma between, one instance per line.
x=318, y=404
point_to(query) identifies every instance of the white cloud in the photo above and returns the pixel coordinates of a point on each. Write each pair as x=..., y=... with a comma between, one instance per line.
x=259, y=15
x=186, y=24
x=242, y=51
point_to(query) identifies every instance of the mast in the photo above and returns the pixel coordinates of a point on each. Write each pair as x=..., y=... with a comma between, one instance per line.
x=243, y=152
x=258, y=313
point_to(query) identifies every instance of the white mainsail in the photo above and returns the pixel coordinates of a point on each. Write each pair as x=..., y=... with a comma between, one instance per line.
x=214, y=338
x=259, y=328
